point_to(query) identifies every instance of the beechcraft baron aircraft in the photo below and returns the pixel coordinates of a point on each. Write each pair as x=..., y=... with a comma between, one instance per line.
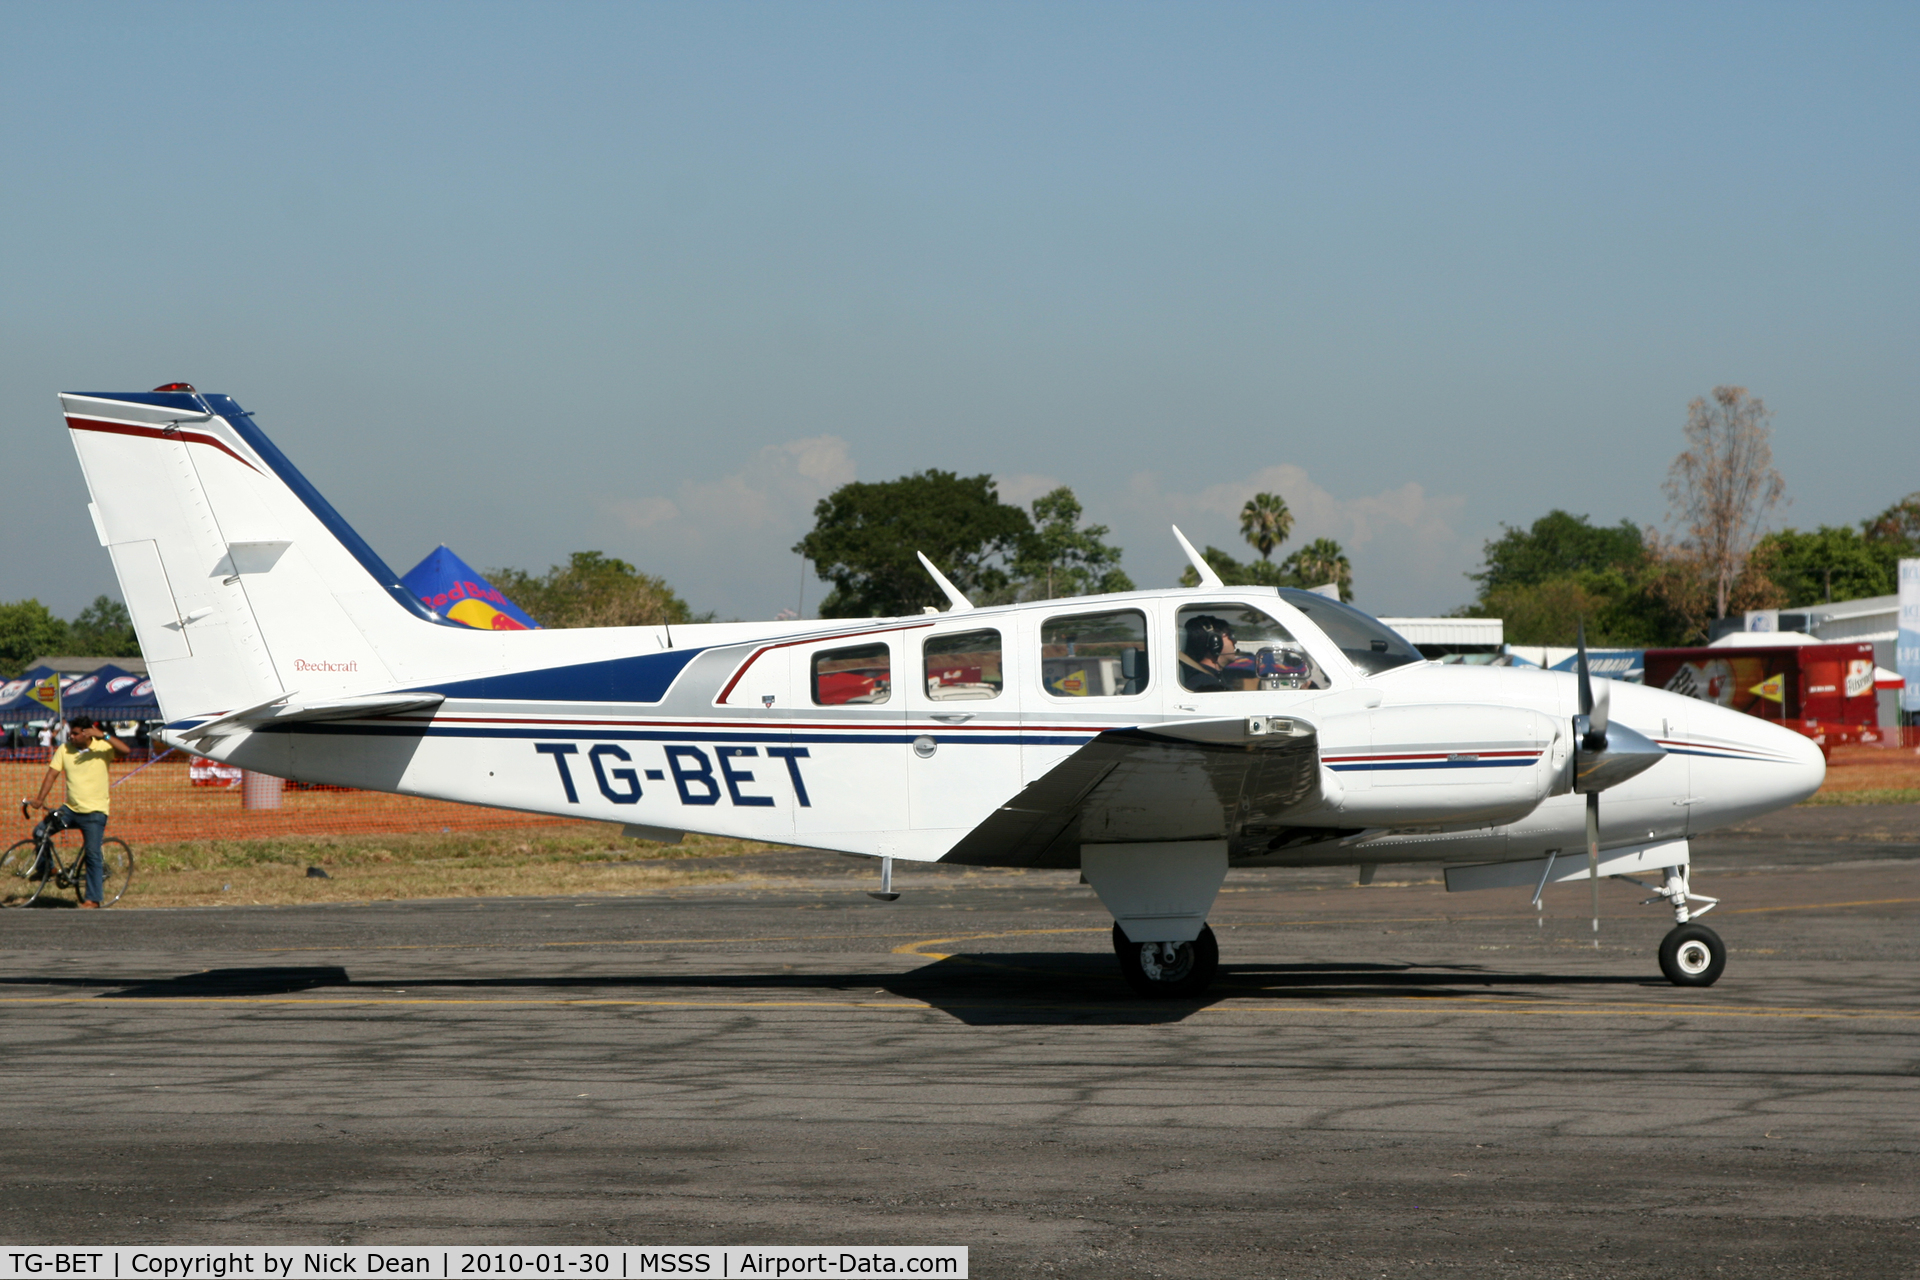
x=1152, y=739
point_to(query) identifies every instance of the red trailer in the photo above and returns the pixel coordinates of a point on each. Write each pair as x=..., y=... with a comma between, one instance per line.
x=1823, y=690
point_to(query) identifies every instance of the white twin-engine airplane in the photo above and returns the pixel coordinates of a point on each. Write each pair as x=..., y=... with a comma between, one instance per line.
x=1152, y=739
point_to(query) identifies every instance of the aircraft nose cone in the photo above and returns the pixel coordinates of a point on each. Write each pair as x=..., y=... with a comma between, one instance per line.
x=1809, y=768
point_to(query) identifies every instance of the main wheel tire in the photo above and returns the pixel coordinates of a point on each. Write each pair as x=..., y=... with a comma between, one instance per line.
x=18, y=886
x=1692, y=955
x=1151, y=972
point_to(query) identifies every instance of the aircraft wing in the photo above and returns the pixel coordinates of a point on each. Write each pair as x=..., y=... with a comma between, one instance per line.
x=1188, y=780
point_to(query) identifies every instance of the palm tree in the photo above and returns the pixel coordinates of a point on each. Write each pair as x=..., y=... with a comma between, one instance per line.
x=1265, y=522
x=1320, y=562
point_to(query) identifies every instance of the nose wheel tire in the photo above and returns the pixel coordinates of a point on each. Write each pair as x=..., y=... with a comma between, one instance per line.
x=1168, y=970
x=1692, y=955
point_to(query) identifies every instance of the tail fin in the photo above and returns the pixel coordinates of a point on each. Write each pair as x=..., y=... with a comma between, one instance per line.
x=243, y=583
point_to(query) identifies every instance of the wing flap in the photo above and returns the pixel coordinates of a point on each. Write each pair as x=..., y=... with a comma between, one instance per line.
x=1206, y=781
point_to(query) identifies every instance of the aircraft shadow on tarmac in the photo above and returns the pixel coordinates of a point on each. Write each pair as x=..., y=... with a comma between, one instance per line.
x=988, y=989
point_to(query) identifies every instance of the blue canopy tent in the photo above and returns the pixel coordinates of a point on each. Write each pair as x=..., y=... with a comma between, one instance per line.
x=113, y=694
x=453, y=589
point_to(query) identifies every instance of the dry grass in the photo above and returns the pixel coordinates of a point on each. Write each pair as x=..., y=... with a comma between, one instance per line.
x=578, y=860
x=1867, y=795
x=1871, y=775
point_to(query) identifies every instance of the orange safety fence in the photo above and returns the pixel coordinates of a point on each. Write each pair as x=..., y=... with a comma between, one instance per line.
x=160, y=801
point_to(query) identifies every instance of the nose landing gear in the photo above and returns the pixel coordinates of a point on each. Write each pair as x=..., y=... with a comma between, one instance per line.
x=1691, y=955
x=1168, y=970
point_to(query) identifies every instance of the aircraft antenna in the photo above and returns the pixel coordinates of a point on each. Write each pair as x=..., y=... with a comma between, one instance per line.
x=1208, y=578
x=958, y=601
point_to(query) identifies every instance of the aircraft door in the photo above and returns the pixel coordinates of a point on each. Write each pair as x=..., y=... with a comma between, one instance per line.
x=964, y=715
x=850, y=739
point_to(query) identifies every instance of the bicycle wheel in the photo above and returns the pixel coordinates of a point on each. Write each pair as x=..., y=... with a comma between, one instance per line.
x=119, y=870
x=18, y=884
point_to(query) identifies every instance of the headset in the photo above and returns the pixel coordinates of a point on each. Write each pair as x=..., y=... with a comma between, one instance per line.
x=1206, y=638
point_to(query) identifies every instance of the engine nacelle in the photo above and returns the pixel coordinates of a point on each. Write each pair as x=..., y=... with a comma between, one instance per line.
x=1411, y=765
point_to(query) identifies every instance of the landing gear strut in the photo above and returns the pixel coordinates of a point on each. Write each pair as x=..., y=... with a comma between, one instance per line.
x=1168, y=970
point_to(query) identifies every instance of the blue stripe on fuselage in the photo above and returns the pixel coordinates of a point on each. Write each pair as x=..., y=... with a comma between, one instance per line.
x=1434, y=764
x=642, y=678
x=614, y=734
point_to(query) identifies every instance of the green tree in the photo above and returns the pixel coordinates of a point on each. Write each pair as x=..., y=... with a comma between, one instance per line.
x=1234, y=573
x=1062, y=559
x=593, y=590
x=1265, y=522
x=1318, y=563
x=1322, y=557
x=865, y=535
x=1830, y=563
x=1616, y=605
x=1544, y=580
x=28, y=630
x=103, y=630
x=1557, y=545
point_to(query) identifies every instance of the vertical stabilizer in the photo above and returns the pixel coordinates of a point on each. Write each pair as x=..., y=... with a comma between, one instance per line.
x=243, y=583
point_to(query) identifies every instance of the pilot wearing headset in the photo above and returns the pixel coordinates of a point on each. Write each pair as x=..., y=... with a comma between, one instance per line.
x=1205, y=649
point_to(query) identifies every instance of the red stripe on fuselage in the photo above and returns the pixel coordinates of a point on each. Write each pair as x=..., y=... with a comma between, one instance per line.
x=754, y=657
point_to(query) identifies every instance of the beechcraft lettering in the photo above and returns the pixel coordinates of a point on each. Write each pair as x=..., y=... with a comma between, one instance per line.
x=1153, y=740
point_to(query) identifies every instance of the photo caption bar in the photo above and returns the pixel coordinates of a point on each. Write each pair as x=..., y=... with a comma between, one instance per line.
x=443, y=1262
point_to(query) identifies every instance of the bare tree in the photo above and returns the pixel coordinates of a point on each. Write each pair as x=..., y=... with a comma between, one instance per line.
x=1721, y=490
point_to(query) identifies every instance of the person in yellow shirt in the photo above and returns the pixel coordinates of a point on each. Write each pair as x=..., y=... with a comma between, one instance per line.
x=82, y=760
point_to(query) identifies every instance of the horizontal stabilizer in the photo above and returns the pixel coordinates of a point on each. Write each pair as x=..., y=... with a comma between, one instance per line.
x=288, y=710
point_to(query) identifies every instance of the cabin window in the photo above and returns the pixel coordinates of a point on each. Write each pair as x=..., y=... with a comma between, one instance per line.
x=1094, y=655
x=1227, y=648
x=964, y=666
x=859, y=676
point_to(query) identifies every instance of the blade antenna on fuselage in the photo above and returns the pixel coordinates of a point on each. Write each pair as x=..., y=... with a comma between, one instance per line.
x=958, y=601
x=1208, y=578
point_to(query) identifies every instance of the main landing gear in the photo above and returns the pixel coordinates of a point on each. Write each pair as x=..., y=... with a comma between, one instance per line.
x=1168, y=970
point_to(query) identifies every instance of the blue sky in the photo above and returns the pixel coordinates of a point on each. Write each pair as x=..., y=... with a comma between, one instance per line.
x=653, y=279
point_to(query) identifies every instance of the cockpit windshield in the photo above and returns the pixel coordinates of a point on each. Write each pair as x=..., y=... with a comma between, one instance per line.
x=1369, y=644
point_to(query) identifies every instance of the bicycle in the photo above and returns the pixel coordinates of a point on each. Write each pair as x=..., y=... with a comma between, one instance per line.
x=33, y=865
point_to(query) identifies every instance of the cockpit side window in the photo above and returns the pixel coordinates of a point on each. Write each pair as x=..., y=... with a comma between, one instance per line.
x=1094, y=655
x=1369, y=643
x=1229, y=648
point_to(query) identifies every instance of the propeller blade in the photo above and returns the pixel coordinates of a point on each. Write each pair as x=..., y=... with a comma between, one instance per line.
x=1593, y=859
x=1597, y=718
x=1586, y=680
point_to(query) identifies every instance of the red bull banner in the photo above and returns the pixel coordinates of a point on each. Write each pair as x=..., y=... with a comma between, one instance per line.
x=453, y=589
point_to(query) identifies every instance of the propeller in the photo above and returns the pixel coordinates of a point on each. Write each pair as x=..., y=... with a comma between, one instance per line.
x=1604, y=755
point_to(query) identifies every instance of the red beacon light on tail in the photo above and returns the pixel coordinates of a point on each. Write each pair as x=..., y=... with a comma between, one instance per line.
x=177, y=386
